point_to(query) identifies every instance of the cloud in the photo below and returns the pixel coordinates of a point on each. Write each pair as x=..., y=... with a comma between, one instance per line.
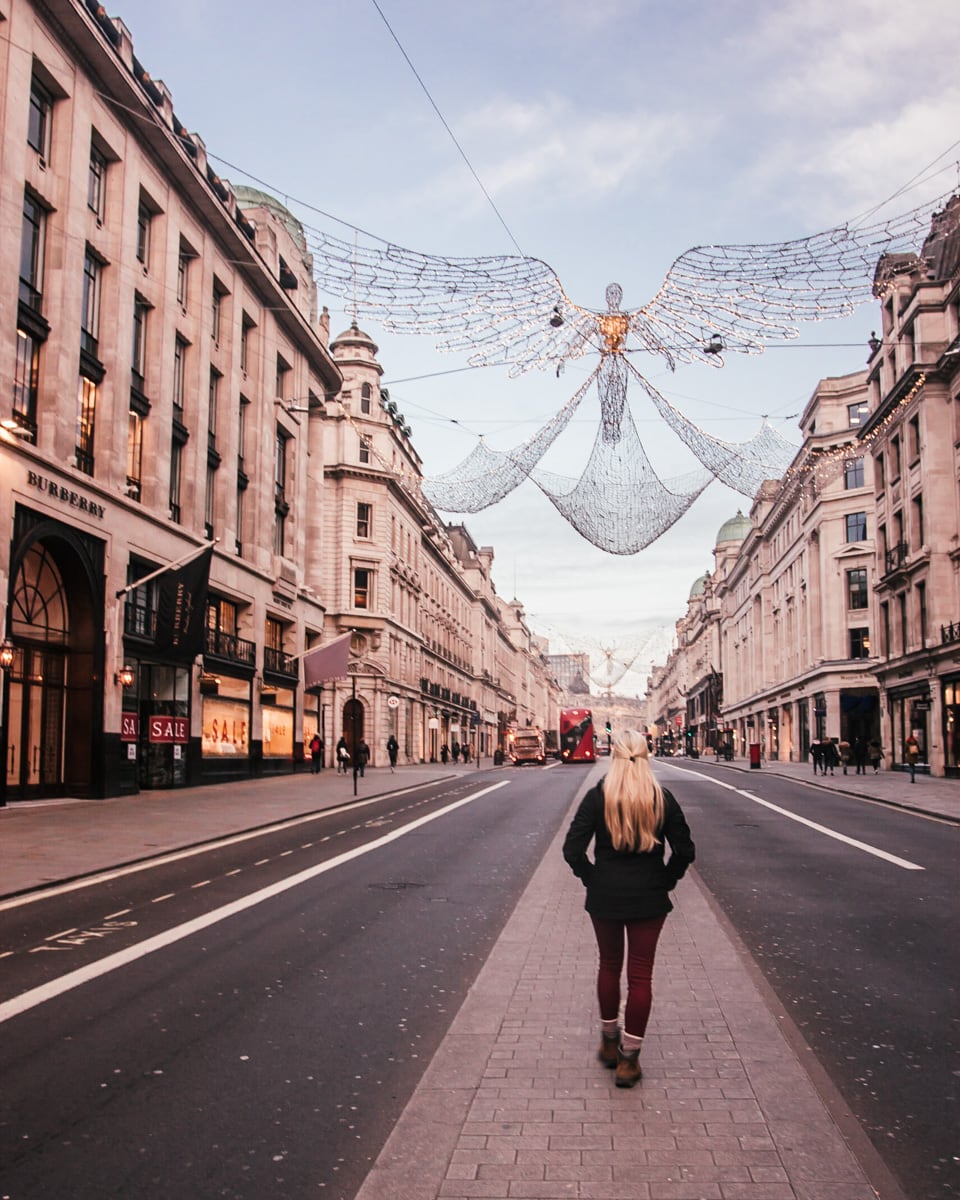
x=542, y=148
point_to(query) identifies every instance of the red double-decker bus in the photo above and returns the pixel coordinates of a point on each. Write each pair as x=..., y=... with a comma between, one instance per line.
x=576, y=735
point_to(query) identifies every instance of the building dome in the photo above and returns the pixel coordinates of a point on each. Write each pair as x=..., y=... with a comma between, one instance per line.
x=699, y=587
x=735, y=529
x=355, y=339
x=250, y=197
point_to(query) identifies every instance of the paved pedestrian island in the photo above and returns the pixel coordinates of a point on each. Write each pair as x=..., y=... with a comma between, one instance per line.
x=514, y=1104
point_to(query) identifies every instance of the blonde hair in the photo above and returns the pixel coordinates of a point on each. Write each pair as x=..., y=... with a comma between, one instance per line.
x=632, y=798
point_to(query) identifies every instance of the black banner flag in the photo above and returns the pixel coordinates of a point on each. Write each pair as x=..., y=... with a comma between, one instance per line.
x=182, y=609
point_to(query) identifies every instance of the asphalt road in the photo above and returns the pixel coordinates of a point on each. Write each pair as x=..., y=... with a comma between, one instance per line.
x=858, y=944
x=268, y=1042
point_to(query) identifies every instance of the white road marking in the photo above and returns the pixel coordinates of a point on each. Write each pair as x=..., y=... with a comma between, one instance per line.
x=784, y=812
x=112, y=962
x=215, y=843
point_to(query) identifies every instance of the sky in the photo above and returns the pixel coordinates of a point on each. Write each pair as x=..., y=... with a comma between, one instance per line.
x=605, y=138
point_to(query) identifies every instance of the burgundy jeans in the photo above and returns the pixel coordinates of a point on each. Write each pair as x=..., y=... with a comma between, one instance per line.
x=641, y=944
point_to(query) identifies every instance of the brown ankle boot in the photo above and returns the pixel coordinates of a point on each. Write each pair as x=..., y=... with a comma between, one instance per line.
x=609, y=1049
x=628, y=1068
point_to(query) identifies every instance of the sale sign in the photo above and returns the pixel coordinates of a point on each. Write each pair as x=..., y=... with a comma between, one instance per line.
x=129, y=727
x=168, y=729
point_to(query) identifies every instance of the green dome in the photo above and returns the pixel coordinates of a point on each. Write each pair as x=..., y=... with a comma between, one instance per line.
x=699, y=587
x=735, y=529
x=250, y=197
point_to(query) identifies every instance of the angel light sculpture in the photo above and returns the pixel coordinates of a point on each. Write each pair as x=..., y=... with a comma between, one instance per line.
x=512, y=310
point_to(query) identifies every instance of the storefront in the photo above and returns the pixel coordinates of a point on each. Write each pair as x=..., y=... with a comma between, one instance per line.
x=909, y=713
x=950, y=716
x=53, y=683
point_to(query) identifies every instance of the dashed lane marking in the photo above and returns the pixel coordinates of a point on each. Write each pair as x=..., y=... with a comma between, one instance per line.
x=120, y=958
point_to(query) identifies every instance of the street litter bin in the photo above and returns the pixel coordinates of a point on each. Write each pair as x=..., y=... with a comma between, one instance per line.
x=754, y=755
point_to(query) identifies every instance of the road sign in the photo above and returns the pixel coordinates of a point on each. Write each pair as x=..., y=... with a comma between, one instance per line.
x=393, y=702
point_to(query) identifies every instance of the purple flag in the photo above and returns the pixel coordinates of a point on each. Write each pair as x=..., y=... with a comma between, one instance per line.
x=326, y=662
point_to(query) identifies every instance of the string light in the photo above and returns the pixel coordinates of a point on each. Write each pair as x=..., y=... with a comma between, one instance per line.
x=512, y=310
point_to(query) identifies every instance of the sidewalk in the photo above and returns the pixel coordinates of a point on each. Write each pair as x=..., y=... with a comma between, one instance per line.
x=732, y=1105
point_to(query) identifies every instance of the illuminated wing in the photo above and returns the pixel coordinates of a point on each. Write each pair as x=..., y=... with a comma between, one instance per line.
x=740, y=297
x=498, y=309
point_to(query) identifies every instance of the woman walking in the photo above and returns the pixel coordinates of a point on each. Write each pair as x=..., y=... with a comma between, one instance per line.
x=629, y=817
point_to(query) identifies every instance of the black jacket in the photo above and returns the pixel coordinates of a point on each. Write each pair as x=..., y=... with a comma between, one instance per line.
x=627, y=885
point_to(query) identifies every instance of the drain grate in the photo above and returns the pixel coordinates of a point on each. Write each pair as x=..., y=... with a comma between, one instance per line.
x=396, y=885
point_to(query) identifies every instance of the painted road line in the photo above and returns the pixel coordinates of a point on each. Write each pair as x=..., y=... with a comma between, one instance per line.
x=832, y=833
x=57, y=987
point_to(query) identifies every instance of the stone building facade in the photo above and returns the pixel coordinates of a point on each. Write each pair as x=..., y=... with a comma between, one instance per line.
x=170, y=390
x=836, y=604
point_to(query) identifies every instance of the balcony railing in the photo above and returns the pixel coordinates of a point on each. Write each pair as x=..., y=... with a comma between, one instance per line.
x=950, y=633
x=231, y=648
x=895, y=558
x=280, y=663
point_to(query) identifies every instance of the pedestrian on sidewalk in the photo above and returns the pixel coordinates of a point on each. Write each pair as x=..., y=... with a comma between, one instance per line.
x=816, y=753
x=343, y=755
x=361, y=758
x=912, y=750
x=844, y=749
x=860, y=755
x=830, y=756
x=629, y=818
x=316, y=754
x=876, y=756
x=393, y=749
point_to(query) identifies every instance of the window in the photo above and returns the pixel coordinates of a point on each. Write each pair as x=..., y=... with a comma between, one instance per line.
x=183, y=276
x=97, y=183
x=853, y=473
x=860, y=643
x=364, y=519
x=857, y=588
x=208, y=500
x=364, y=448
x=179, y=373
x=25, y=379
x=134, y=454
x=32, y=237
x=144, y=220
x=176, y=474
x=246, y=325
x=241, y=430
x=918, y=525
x=280, y=506
x=361, y=587
x=283, y=370
x=895, y=465
x=216, y=310
x=902, y=606
x=139, y=355
x=86, y=423
x=914, y=439
x=90, y=311
x=857, y=413
x=365, y=399
x=885, y=627
x=273, y=634
x=922, y=611
x=40, y=119
x=879, y=473
x=856, y=527
x=213, y=396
